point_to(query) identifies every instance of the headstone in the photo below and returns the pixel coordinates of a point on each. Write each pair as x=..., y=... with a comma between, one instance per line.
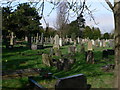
x=90, y=57
x=78, y=40
x=93, y=42
x=90, y=47
x=34, y=47
x=75, y=43
x=26, y=38
x=60, y=41
x=46, y=59
x=11, y=39
x=76, y=81
x=72, y=49
x=41, y=40
x=52, y=41
x=104, y=43
x=101, y=44
x=37, y=39
x=96, y=43
x=71, y=40
x=56, y=42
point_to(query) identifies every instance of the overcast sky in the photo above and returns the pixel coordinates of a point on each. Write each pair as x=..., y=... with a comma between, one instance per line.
x=102, y=16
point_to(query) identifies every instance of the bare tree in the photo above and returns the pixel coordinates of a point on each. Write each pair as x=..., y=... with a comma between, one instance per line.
x=116, y=11
x=62, y=16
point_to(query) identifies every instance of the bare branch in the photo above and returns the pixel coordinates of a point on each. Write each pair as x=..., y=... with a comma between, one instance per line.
x=91, y=15
x=105, y=7
x=109, y=3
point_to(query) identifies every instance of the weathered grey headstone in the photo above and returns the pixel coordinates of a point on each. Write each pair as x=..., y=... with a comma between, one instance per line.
x=104, y=43
x=75, y=43
x=41, y=40
x=56, y=42
x=46, y=59
x=93, y=42
x=71, y=40
x=101, y=44
x=76, y=81
x=11, y=39
x=34, y=47
x=37, y=39
x=60, y=41
x=26, y=38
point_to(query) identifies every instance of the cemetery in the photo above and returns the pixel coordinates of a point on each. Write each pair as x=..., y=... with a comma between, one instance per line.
x=69, y=55
x=61, y=61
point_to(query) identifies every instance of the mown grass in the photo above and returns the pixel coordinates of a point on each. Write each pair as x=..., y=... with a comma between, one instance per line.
x=14, y=60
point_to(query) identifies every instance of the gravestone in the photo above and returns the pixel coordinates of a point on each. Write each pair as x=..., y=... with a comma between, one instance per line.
x=46, y=59
x=37, y=39
x=11, y=39
x=96, y=43
x=90, y=57
x=72, y=82
x=34, y=47
x=26, y=38
x=78, y=40
x=93, y=42
x=71, y=49
x=56, y=42
x=60, y=41
x=90, y=48
x=75, y=43
x=71, y=40
x=104, y=43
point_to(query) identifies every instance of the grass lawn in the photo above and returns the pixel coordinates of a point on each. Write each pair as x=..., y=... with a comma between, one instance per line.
x=14, y=60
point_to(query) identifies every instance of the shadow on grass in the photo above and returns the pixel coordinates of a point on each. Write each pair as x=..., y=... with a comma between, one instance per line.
x=15, y=64
x=80, y=66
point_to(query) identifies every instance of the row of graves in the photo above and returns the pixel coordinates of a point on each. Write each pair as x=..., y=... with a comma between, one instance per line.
x=65, y=61
x=62, y=62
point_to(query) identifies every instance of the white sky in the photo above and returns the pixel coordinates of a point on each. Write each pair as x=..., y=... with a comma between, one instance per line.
x=102, y=15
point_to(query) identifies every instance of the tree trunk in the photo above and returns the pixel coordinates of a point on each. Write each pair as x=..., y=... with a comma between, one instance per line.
x=117, y=42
